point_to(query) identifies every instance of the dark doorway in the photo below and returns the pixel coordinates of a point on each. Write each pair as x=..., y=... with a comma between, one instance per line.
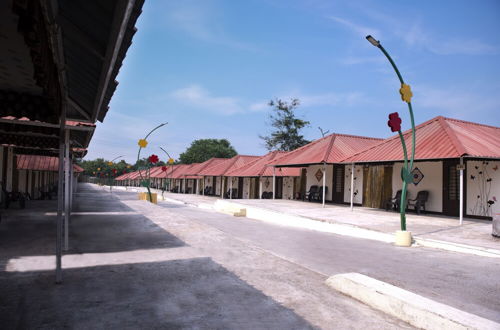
x=254, y=188
x=214, y=183
x=240, y=188
x=278, y=188
x=303, y=183
x=338, y=183
x=451, y=187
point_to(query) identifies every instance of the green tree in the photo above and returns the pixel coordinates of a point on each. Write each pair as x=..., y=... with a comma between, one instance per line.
x=100, y=167
x=204, y=149
x=286, y=126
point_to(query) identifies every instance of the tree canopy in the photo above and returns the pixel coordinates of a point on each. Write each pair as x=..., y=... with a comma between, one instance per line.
x=285, y=135
x=204, y=149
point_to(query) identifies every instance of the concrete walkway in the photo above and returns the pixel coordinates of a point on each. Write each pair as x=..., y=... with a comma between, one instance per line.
x=132, y=264
x=473, y=232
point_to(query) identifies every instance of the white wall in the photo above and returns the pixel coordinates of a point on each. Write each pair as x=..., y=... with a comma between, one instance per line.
x=267, y=184
x=246, y=188
x=358, y=184
x=288, y=187
x=217, y=185
x=483, y=188
x=432, y=182
x=312, y=180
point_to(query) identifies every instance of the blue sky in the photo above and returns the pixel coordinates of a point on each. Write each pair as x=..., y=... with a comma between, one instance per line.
x=208, y=68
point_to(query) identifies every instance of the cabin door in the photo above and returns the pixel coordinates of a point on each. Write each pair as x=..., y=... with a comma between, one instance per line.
x=278, y=188
x=240, y=188
x=451, y=188
x=338, y=183
x=377, y=185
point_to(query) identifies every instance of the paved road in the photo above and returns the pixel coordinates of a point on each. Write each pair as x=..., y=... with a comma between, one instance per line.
x=465, y=282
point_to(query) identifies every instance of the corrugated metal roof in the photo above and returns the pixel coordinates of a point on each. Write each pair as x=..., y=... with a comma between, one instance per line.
x=329, y=149
x=437, y=138
x=259, y=167
x=220, y=168
x=41, y=163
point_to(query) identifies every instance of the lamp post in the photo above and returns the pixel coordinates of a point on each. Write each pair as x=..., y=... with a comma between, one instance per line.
x=112, y=178
x=402, y=237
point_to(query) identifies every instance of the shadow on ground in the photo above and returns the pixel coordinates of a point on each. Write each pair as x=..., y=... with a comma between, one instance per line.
x=190, y=293
x=100, y=223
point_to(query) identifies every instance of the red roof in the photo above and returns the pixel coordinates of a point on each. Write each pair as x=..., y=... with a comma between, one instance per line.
x=41, y=163
x=260, y=167
x=198, y=167
x=329, y=149
x=437, y=138
x=220, y=168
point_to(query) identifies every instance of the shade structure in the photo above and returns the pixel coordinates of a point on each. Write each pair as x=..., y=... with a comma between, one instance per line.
x=41, y=163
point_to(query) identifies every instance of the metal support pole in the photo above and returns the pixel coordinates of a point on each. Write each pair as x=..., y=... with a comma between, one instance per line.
x=231, y=188
x=66, y=190
x=274, y=182
x=352, y=187
x=60, y=201
x=461, y=194
x=324, y=183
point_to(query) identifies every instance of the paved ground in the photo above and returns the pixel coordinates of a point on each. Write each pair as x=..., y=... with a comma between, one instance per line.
x=132, y=264
x=469, y=283
x=473, y=232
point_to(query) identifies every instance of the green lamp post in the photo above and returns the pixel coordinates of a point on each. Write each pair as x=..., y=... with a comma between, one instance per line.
x=402, y=237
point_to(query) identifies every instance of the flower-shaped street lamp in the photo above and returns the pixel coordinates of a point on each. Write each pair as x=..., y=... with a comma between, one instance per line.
x=112, y=179
x=395, y=125
x=143, y=143
x=165, y=169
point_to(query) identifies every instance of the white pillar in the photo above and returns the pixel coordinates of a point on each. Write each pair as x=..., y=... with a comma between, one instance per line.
x=324, y=183
x=461, y=193
x=260, y=187
x=230, y=187
x=222, y=187
x=185, y=185
x=66, y=190
x=274, y=182
x=203, y=186
x=352, y=187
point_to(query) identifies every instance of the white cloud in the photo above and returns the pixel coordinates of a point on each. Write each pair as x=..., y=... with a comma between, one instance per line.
x=356, y=28
x=199, y=97
x=259, y=106
x=201, y=21
x=456, y=102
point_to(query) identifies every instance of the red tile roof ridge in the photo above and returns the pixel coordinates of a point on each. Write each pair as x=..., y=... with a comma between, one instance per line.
x=468, y=122
x=333, y=136
x=389, y=139
x=452, y=136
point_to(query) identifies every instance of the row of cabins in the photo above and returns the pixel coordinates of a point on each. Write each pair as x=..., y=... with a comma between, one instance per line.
x=358, y=170
x=32, y=176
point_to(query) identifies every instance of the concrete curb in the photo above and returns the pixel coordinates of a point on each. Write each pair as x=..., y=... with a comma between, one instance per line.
x=418, y=311
x=457, y=247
